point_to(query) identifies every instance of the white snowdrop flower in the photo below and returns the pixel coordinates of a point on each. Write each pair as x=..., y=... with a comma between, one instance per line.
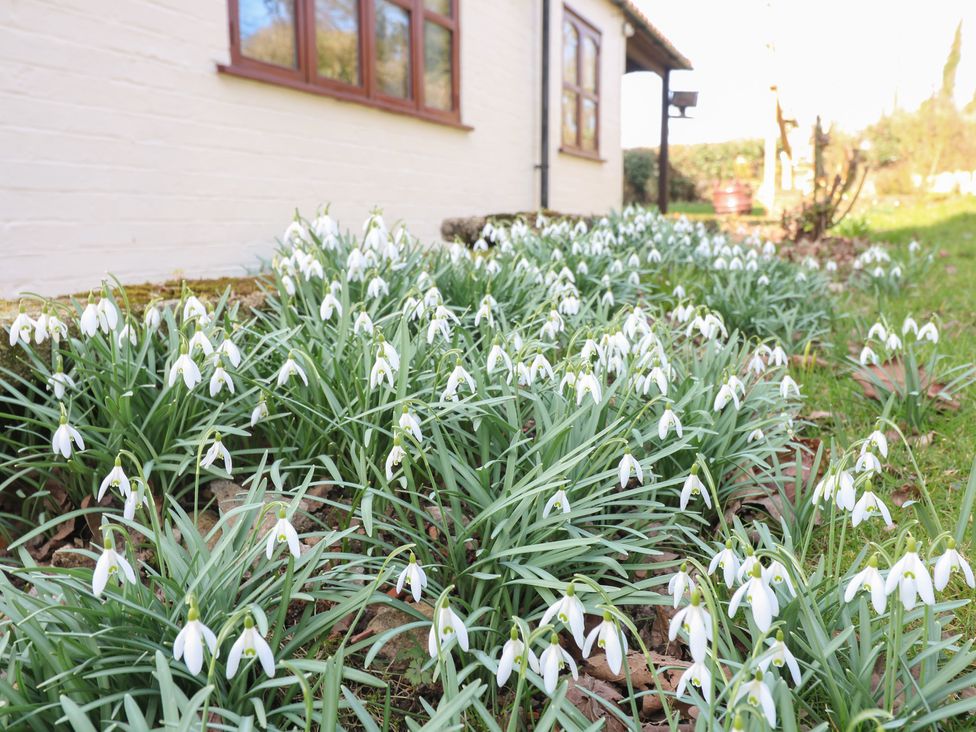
x=867, y=462
x=914, y=246
x=410, y=424
x=845, y=495
x=189, y=643
x=200, y=340
x=552, y=661
x=668, y=421
x=559, y=501
x=497, y=354
x=89, y=319
x=693, y=487
x=728, y=561
x=446, y=625
x=878, y=439
x=568, y=381
x=868, y=357
x=951, y=560
x=586, y=383
x=485, y=312
x=457, y=377
x=229, y=350
x=779, y=655
x=294, y=234
x=60, y=382
x=397, y=453
x=868, y=579
x=878, y=331
x=928, y=332
x=750, y=561
x=629, y=466
x=330, y=305
x=909, y=326
x=250, y=644
x=116, y=478
x=699, y=675
x=893, y=342
x=540, y=365
x=553, y=326
x=760, y=597
x=756, y=364
x=217, y=450
x=513, y=653
x=259, y=412
x=108, y=315
x=757, y=435
x=910, y=577
x=607, y=299
x=282, y=533
x=362, y=324
x=151, y=318
x=220, y=380
x=831, y=265
x=788, y=385
x=381, y=370
x=695, y=621
x=834, y=482
x=193, y=308
x=868, y=506
x=126, y=336
x=56, y=328
x=726, y=393
x=291, y=368
x=569, y=611
x=680, y=583
x=609, y=636
x=41, y=331
x=136, y=496
x=413, y=577
x=377, y=288
x=757, y=694
x=64, y=436
x=110, y=564
x=778, y=356
x=763, y=280
x=184, y=367
x=21, y=329
x=438, y=327
x=777, y=574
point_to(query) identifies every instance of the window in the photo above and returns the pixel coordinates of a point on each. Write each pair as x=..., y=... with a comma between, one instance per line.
x=400, y=55
x=581, y=86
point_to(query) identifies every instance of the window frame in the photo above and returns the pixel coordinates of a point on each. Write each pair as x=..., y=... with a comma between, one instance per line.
x=305, y=76
x=584, y=29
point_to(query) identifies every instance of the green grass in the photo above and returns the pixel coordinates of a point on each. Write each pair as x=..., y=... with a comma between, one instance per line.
x=946, y=292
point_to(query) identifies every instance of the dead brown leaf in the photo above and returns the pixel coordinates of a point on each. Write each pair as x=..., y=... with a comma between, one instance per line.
x=891, y=374
x=904, y=494
x=590, y=707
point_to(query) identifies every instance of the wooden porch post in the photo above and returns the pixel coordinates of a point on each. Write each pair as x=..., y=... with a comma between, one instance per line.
x=662, y=160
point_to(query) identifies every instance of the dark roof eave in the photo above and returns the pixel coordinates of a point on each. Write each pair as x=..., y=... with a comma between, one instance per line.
x=649, y=49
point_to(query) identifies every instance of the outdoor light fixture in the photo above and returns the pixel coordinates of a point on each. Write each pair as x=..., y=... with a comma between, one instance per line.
x=683, y=100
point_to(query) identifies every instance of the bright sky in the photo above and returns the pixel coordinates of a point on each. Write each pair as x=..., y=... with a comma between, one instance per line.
x=847, y=60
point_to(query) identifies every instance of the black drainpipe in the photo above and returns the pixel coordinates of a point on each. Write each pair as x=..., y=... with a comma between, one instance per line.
x=544, y=163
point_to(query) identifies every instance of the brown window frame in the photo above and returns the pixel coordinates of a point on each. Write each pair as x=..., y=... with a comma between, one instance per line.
x=584, y=29
x=305, y=76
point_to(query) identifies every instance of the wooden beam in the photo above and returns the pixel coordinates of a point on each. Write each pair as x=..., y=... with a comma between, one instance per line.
x=662, y=158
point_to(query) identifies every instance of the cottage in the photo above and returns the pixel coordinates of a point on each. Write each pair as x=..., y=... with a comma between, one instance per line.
x=153, y=138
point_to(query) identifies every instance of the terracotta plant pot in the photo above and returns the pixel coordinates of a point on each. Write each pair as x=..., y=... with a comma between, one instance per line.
x=732, y=197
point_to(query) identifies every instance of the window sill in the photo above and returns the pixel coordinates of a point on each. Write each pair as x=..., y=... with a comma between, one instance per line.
x=271, y=78
x=591, y=156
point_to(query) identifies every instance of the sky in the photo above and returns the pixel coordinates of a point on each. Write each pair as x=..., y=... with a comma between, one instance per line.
x=847, y=60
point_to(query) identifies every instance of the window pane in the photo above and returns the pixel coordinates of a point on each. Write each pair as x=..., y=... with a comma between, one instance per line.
x=570, y=47
x=590, y=64
x=437, y=66
x=588, y=125
x=569, y=119
x=393, y=50
x=439, y=6
x=268, y=31
x=337, y=39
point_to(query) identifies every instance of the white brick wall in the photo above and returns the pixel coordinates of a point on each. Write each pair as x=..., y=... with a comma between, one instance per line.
x=123, y=150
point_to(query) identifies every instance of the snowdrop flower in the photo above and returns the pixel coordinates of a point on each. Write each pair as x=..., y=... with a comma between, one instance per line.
x=64, y=435
x=868, y=506
x=909, y=326
x=229, y=350
x=778, y=356
x=757, y=435
x=540, y=365
x=867, y=462
x=728, y=561
x=395, y=457
x=842, y=481
x=259, y=412
x=586, y=383
x=108, y=315
x=110, y=564
x=116, y=478
x=568, y=610
x=446, y=625
x=217, y=450
x=291, y=368
x=745, y=569
x=377, y=288
x=726, y=393
x=668, y=421
x=929, y=333
x=779, y=655
x=693, y=486
x=868, y=579
x=282, y=532
x=787, y=385
x=381, y=370
x=193, y=308
x=513, y=653
x=893, y=342
x=878, y=439
x=910, y=577
x=60, y=381
x=21, y=329
x=868, y=357
x=877, y=331
x=497, y=354
x=845, y=495
x=250, y=644
x=55, y=328
x=552, y=661
x=41, y=328
x=126, y=336
x=200, y=340
x=137, y=495
x=950, y=561
x=152, y=317
x=220, y=379
x=695, y=621
x=89, y=319
x=414, y=577
x=559, y=501
x=410, y=424
x=757, y=694
x=185, y=367
x=362, y=324
x=699, y=675
x=458, y=376
x=610, y=637
x=629, y=466
x=680, y=583
x=330, y=305
x=776, y=574
x=189, y=643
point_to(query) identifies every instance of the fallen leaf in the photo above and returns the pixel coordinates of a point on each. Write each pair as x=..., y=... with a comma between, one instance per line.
x=818, y=415
x=581, y=695
x=905, y=495
x=891, y=376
